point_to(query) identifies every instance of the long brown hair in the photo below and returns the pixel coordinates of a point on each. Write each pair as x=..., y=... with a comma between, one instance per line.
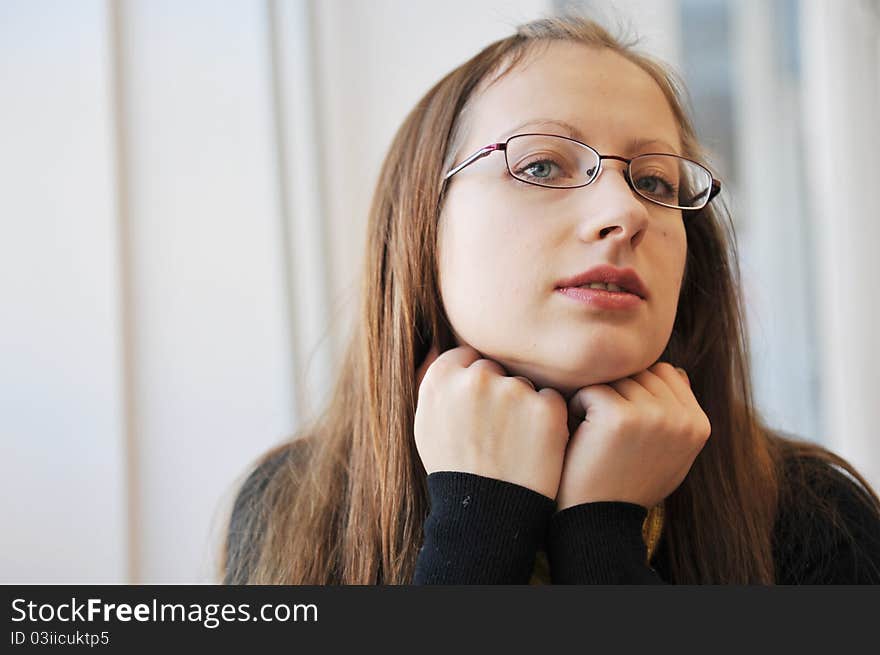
x=348, y=502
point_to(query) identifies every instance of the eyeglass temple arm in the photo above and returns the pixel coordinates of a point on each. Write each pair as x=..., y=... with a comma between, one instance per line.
x=482, y=152
x=713, y=191
x=716, y=189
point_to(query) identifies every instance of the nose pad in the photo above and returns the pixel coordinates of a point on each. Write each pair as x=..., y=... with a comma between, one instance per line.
x=595, y=172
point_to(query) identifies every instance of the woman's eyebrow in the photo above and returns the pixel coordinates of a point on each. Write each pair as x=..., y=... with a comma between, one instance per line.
x=573, y=132
x=636, y=144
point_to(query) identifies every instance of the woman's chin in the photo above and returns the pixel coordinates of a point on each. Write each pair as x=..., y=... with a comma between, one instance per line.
x=567, y=372
x=569, y=381
x=564, y=385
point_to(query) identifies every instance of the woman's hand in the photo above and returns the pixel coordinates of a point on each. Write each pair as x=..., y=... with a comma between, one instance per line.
x=637, y=441
x=471, y=417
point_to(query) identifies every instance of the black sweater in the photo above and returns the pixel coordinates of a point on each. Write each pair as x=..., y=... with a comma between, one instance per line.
x=485, y=531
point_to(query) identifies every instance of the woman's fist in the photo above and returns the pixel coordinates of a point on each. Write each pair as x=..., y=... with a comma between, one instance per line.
x=637, y=441
x=472, y=417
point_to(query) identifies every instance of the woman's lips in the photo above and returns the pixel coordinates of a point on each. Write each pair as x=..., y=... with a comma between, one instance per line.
x=602, y=299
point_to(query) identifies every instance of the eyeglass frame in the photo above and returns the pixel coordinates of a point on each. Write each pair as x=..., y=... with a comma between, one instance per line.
x=486, y=150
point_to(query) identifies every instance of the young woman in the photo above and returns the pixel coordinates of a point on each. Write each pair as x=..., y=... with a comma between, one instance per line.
x=549, y=379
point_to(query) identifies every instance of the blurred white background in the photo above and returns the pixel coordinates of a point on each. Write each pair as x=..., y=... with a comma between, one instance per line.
x=183, y=194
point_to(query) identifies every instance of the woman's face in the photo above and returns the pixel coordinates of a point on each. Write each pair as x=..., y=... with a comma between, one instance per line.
x=504, y=244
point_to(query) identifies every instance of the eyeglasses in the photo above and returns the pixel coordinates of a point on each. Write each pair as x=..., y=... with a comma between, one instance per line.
x=559, y=162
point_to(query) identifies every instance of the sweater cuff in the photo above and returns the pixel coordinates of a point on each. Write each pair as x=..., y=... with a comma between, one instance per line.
x=480, y=530
x=599, y=543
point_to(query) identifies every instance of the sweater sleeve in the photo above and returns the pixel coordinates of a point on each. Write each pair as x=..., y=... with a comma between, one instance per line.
x=599, y=543
x=480, y=530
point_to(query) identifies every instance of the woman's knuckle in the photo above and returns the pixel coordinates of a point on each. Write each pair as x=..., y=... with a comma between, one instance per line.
x=476, y=377
x=439, y=367
x=545, y=409
x=660, y=367
x=621, y=422
x=697, y=433
x=705, y=428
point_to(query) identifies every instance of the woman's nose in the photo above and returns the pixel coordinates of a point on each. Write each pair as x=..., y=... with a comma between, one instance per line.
x=613, y=209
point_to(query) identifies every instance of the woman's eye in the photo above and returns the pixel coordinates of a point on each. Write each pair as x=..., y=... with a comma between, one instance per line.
x=656, y=186
x=538, y=170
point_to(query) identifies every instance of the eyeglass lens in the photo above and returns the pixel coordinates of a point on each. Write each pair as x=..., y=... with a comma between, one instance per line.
x=558, y=162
